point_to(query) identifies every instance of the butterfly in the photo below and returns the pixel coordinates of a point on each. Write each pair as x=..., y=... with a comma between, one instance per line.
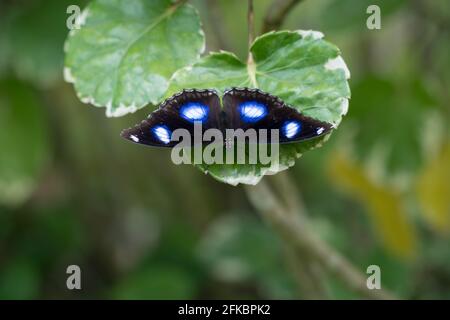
x=243, y=108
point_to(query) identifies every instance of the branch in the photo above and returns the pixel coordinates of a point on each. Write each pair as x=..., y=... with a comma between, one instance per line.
x=251, y=32
x=307, y=273
x=297, y=233
x=277, y=13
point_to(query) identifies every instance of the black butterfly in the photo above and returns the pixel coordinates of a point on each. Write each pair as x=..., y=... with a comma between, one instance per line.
x=243, y=108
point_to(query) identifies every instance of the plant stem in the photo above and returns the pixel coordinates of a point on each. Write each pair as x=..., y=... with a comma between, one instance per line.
x=251, y=67
x=179, y=2
x=308, y=254
x=277, y=13
x=307, y=273
x=298, y=234
x=251, y=23
x=175, y=6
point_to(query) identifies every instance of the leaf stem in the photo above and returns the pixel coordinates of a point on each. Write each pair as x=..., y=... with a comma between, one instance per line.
x=251, y=67
x=251, y=23
x=179, y=3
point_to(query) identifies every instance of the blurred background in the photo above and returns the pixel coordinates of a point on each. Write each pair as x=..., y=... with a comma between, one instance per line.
x=73, y=192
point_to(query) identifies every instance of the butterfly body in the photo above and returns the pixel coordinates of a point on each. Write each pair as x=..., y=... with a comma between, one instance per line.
x=243, y=108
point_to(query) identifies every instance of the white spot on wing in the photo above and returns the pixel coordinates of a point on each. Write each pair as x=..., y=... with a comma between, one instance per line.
x=134, y=138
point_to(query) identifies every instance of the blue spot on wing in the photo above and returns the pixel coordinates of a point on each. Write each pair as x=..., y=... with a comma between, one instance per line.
x=162, y=133
x=194, y=111
x=252, y=111
x=291, y=128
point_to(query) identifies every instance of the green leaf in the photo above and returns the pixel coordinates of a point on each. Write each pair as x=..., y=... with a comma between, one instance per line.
x=384, y=204
x=125, y=52
x=34, y=39
x=238, y=248
x=352, y=15
x=301, y=68
x=4, y=40
x=162, y=281
x=23, y=142
x=389, y=104
x=19, y=279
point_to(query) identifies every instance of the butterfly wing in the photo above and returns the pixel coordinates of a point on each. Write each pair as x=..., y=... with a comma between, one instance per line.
x=180, y=111
x=252, y=108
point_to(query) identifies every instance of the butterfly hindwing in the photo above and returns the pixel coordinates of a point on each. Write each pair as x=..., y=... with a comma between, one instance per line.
x=254, y=109
x=180, y=111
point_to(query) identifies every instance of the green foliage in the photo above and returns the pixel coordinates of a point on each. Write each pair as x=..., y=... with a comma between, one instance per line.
x=299, y=67
x=126, y=51
x=123, y=57
x=157, y=282
x=408, y=101
x=19, y=279
x=23, y=142
x=79, y=208
x=353, y=15
x=34, y=40
x=433, y=188
x=384, y=204
x=5, y=45
x=237, y=248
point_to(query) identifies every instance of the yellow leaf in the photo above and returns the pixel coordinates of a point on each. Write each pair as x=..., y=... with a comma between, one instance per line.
x=433, y=191
x=384, y=205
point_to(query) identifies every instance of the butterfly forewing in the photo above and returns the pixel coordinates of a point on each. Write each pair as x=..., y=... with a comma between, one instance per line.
x=254, y=109
x=180, y=111
x=243, y=108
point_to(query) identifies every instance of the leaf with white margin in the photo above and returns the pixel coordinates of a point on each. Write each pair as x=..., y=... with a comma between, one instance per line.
x=301, y=68
x=125, y=51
